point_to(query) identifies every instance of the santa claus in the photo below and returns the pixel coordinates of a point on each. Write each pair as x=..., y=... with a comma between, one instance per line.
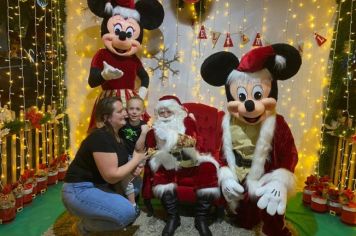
x=258, y=145
x=173, y=139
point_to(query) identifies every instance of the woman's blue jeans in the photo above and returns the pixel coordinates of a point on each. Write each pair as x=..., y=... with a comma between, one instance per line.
x=98, y=207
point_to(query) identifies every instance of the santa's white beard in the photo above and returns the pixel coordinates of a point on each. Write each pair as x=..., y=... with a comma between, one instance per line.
x=174, y=123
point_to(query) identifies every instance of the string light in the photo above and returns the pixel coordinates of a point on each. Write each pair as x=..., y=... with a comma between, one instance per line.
x=9, y=51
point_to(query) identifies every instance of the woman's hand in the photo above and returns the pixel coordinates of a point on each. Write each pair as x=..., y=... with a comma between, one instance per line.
x=137, y=171
x=145, y=128
x=140, y=156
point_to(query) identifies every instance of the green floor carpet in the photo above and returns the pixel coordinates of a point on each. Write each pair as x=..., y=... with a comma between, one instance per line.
x=309, y=223
x=38, y=216
x=45, y=209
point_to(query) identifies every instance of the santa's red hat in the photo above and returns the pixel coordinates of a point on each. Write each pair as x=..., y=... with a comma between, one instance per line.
x=125, y=8
x=170, y=102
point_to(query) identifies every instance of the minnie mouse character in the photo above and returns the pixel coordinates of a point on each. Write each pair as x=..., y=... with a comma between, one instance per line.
x=258, y=146
x=116, y=66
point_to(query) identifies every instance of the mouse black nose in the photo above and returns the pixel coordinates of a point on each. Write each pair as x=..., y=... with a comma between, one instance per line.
x=249, y=105
x=122, y=35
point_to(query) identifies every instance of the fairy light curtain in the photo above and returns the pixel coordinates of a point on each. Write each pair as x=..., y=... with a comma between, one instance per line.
x=245, y=21
x=31, y=73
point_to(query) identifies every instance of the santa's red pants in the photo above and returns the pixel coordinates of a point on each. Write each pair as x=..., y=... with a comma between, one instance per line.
x=249, y=215
x=197, y=177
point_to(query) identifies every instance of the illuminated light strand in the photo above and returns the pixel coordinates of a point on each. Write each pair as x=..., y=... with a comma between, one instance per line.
x=21, y=58
x=44, y=58
x=330, y=69
x=36, y=56
x=52, y=53
x=9, y=51
x=348, y=79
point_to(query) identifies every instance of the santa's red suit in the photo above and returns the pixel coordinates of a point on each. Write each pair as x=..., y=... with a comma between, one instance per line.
x=167, y=173
x=274, y=160
x=164, y=171
x=122, y=87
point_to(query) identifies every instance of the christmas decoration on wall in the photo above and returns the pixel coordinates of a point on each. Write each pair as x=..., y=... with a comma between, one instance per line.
x=228, y=42
x=244, y=38
x=320, y=40
x=202, y=33
x=257, y=42
x=215, y=37
x=164, y=65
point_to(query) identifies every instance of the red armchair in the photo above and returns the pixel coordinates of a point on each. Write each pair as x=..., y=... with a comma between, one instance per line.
x=209, y=131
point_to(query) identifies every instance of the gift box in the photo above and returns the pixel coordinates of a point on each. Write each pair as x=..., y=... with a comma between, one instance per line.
x=41, y=184
x=7, y=206
x=27, y=193
x=318, y=204
x=310, y=188
x=34, y=187
x=62, y=173
x=307, y=194
x=7, y=213
x=334, y=207
x=348, y=214
x=18, y=191
x=52, y=177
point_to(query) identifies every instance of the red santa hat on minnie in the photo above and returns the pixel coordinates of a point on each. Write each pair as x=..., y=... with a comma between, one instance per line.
x=170, y=102
x=125, y=8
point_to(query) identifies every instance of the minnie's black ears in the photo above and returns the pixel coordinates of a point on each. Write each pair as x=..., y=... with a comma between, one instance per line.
x=151, y=12
x=216, y=68
x=292, y=58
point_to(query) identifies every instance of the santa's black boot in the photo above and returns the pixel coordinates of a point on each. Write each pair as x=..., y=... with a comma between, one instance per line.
x=169, y=201
x=149, y=207
x=202, y=211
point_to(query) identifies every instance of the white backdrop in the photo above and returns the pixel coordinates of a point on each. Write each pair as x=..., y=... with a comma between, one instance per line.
x=294, y=22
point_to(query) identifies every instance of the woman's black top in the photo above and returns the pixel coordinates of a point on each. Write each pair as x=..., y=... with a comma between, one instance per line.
x=83, y=167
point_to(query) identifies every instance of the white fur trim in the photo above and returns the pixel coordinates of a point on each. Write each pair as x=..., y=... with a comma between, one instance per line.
x=163, y=158
x=280, y=62
x=248, y=77
x=227, y=144
x=215, y=192
x=351, y=209
x=172, y=105
x=108, y=8
x=261, y=154
x=319, y=200
x=160, y=189
x=126, y=12
x=281, y=175
x=225, y=173
x=208, y=158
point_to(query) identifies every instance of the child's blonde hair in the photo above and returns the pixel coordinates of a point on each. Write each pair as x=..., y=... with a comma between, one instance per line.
x=136, y=98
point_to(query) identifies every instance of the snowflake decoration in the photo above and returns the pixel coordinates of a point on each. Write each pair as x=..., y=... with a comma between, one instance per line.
x=164, y=65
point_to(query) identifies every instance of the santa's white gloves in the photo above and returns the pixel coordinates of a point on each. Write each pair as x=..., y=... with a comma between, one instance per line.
x=273, y=196
x=110, y=73
x=231, y=189
x=142, y=92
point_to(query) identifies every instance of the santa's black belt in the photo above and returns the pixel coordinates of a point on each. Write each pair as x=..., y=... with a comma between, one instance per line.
x=242, y=162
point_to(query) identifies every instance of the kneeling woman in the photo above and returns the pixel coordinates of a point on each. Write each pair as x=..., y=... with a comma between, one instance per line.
x=101, y=160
